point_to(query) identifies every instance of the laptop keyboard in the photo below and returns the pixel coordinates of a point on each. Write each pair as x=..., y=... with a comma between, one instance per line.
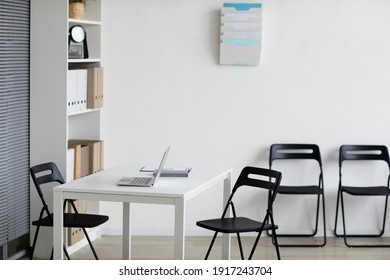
x=141, y=180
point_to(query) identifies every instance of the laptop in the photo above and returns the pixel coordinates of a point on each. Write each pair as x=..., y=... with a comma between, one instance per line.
x=144, y=181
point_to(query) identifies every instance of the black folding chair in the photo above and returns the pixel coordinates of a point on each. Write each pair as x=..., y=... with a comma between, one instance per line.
x=43, y=174
x=260, y=178
x=362, y=153
x=302, y=152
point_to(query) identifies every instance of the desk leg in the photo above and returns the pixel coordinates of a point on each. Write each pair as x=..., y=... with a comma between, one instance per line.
x=179, y=229
x=126, y=235
x=226, y=238
x=58, y=233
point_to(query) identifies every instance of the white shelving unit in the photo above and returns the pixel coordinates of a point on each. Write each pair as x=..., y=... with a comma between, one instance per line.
x=50, y=124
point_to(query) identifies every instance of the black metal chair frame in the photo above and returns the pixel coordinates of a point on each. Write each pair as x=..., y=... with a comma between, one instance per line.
x=360, y=153
x=70, y=219
x=242, y=224
x=302, y=152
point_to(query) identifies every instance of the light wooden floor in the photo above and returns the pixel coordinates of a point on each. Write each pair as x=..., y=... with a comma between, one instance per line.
x=161, y=248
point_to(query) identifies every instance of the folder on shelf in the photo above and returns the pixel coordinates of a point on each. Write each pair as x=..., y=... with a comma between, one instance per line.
x=77, y=90
x=82, y=89
x=71, y=91
x=95, y=88
x=100, y=96
x=81, y=161
x=88, y=156
x=96, y=156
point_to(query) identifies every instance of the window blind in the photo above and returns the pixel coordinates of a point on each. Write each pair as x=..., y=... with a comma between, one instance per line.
x=14, y=119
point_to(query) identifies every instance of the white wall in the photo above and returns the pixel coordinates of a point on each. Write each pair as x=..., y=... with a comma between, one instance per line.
x=323, y=79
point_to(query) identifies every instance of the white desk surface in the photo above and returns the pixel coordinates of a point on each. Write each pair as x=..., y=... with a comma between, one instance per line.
x=180, y=187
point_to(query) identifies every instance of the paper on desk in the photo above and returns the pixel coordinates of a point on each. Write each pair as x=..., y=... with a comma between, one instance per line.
x=176, y=169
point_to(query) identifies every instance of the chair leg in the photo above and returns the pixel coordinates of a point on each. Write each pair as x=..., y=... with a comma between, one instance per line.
x=34, y=242
x=340, y=201
x=315, y=230
x=345, y=236
x=317, y=214
x=275, y=242
x=337, y=214
x=90, y=243
x=254, y=246
x=65, y=251
x=211, y=245
x=324, y=219
x=275, y=237
x=384, y=216
x=343, y=218
x=240, y=246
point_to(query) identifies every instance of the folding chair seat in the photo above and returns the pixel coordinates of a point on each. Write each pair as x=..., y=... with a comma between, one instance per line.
x=366, y=154
x=43, y=175
x=302, y=153
x=250, y=177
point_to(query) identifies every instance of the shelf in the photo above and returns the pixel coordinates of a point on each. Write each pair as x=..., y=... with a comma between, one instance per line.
x=83, y=22
x=51, y=106
x=84, y=60
x=83, y=112
x=84, y=126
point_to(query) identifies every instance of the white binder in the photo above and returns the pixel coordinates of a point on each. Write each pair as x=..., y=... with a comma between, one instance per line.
x=77, y=90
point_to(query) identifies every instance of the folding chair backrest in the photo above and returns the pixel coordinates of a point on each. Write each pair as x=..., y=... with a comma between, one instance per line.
x=363, y=152
x=295, y=151
x=43, y=174
x=259, y=178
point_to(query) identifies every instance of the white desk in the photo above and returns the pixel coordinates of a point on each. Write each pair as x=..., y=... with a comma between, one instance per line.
x=168, y=191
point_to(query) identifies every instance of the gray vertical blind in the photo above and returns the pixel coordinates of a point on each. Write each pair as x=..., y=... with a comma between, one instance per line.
x=14, y=118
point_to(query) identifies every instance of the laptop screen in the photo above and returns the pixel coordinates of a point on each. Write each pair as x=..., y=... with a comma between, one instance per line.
x=162, y=163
